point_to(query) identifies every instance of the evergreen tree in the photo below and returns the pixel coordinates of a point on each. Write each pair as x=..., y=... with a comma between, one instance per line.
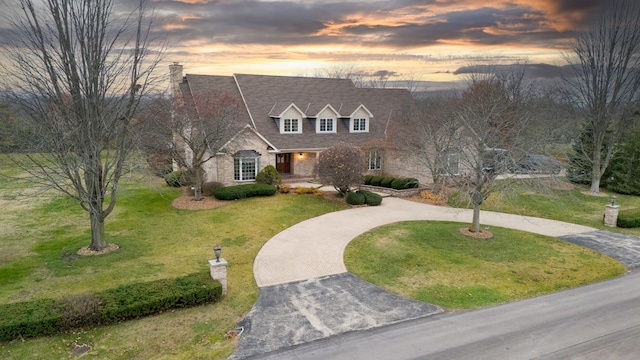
x=580, y=164
x=625, y=165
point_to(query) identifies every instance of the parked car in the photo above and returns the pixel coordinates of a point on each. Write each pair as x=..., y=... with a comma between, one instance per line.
x=540, y=164
x=497, y=161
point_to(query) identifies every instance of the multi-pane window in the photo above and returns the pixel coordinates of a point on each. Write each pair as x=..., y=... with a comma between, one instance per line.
x=326, y=125
x=374, y=160
x=245, y=169
x=291, y=125
x=359, y=124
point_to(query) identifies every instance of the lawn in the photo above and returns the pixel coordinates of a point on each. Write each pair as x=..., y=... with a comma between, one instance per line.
x=433, y=262
x=40, y=233
x=555, y=199
x=40, y=236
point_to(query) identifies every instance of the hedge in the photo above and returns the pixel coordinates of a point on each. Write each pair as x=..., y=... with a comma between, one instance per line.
x=355, y=198
x=391, y=182
x=48, y=316
x=244, y=191
x=386, y=181
x=399, y=183
x=28, y=319
x=629, y=218
x=367, y=179
x=371, y=199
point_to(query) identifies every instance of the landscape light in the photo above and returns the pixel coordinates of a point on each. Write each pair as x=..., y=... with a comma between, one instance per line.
x=217, y=250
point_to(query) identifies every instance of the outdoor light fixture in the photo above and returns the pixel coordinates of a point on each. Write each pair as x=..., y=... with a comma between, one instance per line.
x=300, y=155
x=613, y=200
x=217, y=250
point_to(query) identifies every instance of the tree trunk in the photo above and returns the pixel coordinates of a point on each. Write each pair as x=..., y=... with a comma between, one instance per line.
x=98, y=241
x=595, y=184
x=197, y=193
x=475, y=226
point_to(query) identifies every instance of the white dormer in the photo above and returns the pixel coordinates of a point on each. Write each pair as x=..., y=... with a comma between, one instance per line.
x=360, y=119
x=291, y=120
x=327, y=120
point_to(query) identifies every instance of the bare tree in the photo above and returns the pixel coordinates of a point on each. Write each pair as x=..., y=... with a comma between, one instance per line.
x=493, y=115
x=78, y=73
x=342, y=166
x=200, y=127
x=349, y=71
x=432, y=135
x=606, y=79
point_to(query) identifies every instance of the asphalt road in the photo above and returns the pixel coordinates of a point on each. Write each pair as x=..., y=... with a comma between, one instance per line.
x=598, y=321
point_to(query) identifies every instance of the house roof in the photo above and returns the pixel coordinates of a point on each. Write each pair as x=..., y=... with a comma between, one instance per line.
x=267, y=97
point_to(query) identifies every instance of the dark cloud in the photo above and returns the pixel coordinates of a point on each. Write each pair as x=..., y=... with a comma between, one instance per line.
x=286, y=23
x=531, y=70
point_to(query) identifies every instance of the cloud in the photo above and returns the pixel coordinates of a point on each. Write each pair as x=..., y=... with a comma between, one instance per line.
x=531, y=70
x=409, y=24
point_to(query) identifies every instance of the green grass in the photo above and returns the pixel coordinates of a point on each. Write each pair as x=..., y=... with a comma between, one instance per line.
x=157, y=241
x=433, y=262
x=39, y=236
x=540, y=199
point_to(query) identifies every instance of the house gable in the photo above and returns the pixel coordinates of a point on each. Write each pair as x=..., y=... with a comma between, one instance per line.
x=326, y=121
x=360, y=120
x=290, y=120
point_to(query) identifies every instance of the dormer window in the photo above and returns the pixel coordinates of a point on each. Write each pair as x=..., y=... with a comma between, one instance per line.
x=326, y=120
x=359, y=120
x=359, y=125
x=291, y=126
x=326, y=125
x=291, y=120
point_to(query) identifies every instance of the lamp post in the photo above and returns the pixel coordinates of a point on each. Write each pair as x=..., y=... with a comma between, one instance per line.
x=218, y=268
x=611, y=213
x=217, y=250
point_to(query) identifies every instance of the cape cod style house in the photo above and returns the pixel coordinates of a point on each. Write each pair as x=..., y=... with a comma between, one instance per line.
x=287, y=121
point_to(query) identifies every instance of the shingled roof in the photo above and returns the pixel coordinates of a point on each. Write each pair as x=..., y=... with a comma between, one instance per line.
x=266, y=97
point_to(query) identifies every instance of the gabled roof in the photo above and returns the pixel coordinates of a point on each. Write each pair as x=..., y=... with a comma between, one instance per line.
x=328, y=106
x=267, y=97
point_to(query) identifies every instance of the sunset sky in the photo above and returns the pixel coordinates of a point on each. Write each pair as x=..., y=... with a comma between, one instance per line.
x=428, y=39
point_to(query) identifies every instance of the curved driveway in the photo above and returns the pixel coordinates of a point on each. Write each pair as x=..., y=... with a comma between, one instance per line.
x=315, y=247
x=306, y=293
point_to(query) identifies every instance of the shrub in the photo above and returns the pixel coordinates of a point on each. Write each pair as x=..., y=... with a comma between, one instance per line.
x=175, y=178
x=303, y=190
x=28, y=319
x=78, y=311
x=209, y=188
x=269, y=175
x=412, y=183
x=48, y=316
x=284, y=188
x=355, y=198
x=367, y=179
x=371, y=199
x=629, y=218
x=342, y=166
x=386, y=181
x=244, y=191
x=399, y=184
x=375, y=180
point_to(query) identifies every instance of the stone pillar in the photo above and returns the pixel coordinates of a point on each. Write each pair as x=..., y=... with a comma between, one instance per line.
x=611, y=215
x=219, y=272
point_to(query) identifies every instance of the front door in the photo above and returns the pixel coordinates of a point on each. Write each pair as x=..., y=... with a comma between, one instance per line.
x=283, y=163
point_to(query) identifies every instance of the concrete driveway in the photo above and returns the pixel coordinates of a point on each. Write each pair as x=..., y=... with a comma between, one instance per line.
x=306, y=293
